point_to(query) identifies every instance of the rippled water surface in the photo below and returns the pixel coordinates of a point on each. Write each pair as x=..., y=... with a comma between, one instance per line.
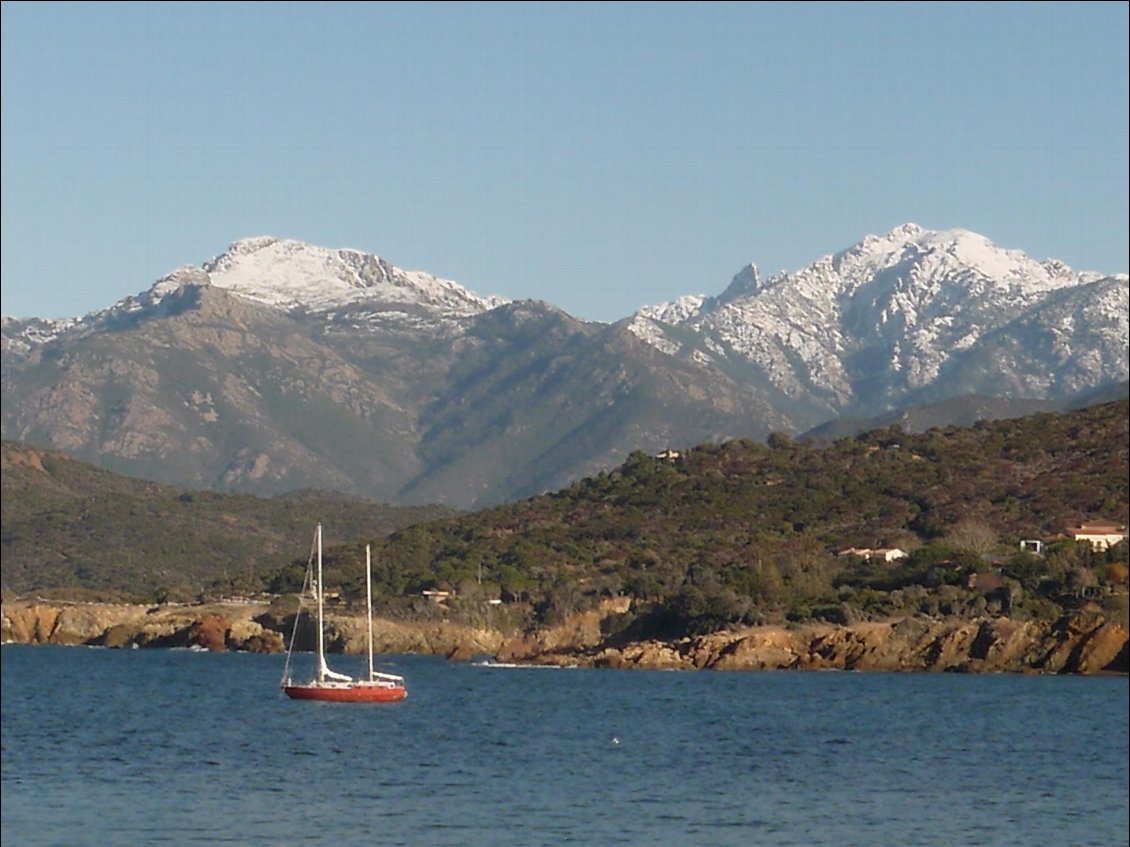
x=105, y=747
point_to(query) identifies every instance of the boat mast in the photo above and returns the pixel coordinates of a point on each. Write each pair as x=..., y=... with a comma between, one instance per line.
x=369, y=603
x=321, y=638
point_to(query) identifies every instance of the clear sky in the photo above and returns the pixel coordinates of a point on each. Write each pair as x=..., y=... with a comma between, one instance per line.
x=599, y=156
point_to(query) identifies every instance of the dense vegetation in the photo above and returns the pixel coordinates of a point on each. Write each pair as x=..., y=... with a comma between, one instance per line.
x=746, y=532
x=738, y=532
x=70, y=529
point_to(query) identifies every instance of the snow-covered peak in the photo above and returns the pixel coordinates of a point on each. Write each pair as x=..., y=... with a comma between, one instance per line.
x=288, y=274
x=875, y=320
x=166, y=285
x=148, y=299
x=676, y=311
x=746, y=283
x=909, y=269
x=912, y=263
x=648, y=323
x=910, y=253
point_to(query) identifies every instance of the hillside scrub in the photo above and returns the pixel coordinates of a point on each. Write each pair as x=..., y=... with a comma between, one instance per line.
x=723, y=534
x=744, y=532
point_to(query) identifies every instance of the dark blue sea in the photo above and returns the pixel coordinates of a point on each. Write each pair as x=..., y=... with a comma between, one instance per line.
x=147, y=747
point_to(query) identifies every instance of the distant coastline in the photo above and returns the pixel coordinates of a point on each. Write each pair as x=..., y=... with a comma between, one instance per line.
x=1084, y=642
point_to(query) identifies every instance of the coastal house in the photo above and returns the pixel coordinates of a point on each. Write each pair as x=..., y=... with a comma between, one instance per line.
x=1101, y=536
x=668, y=455
x=886, y=554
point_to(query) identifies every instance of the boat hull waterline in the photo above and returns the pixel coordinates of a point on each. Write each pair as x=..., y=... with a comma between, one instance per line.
x=354, y=693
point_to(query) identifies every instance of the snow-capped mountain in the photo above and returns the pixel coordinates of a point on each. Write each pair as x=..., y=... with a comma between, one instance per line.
x=280, y=365
x=347, y=285
x=290, y=274
x=877, y=324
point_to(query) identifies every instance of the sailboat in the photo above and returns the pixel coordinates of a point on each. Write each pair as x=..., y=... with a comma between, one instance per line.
x=327, y=684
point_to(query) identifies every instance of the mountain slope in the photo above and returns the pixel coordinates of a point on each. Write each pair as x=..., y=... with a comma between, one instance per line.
x=910, y=317
x=193, y=384
x=211, y=391
x=279, y=365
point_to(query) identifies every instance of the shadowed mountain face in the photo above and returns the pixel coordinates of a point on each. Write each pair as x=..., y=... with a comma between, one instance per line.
x=280, y=366
x=212, y=391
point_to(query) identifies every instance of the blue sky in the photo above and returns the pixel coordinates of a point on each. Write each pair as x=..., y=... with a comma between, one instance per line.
x=599, y=156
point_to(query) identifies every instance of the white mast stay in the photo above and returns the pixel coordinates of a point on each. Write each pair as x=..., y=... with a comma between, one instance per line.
x=324, y=671
x=369, y=603
x=321, y=637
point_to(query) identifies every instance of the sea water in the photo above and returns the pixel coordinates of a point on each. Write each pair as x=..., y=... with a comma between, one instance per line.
x=146, y=747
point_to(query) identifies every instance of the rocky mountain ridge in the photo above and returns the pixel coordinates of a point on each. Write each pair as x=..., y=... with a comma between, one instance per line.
x=279, y=365
x=909, y=317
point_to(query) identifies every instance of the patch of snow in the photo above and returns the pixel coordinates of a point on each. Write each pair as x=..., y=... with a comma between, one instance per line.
x=912, y=296
x=677, y=311
x=291, y=274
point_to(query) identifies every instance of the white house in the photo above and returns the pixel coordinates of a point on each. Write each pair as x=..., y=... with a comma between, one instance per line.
x=887, y=554
x=1100, y=536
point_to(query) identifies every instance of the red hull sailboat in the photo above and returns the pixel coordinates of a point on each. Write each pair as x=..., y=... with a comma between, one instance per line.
x=328, y=685
x=356, y=692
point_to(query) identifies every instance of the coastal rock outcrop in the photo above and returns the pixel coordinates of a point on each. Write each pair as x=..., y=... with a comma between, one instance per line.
x=349, y=634
x=1080, y=644
x=214, y=627
x=72, y=623
x=1083, y=642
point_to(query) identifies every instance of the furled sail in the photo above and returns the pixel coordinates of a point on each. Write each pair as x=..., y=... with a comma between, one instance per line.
x=324, y=672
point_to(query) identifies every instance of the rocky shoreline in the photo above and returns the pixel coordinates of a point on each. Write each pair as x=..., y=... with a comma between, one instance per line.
x=1083, y=642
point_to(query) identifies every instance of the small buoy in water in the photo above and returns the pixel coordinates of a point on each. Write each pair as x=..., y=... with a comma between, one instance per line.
x=615, y=741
